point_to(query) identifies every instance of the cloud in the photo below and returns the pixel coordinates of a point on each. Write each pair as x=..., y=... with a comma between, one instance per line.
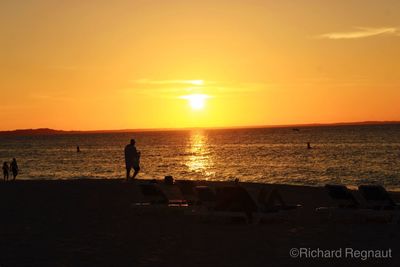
x=171, y=82
x=361, y=32
x=174, y=88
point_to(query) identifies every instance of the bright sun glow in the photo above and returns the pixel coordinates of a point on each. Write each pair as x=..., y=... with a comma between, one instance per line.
x=196, y=101
x=197, y=82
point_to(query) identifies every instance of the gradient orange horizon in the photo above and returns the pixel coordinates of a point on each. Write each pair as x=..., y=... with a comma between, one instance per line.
x=77, y=65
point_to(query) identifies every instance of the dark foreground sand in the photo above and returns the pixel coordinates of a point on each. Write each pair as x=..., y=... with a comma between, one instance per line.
x=93, y=223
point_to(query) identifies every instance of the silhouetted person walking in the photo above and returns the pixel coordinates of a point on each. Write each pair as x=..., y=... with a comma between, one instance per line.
x=6, y=171
x=14, y=168
x=132, y=158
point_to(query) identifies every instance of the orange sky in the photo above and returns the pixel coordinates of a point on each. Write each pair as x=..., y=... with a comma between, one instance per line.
x=132, y=64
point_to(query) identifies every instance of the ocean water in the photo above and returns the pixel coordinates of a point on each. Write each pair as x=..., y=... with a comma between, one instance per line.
x=351, y=155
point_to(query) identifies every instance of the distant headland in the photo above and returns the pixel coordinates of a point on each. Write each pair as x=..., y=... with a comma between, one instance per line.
x=48, y=131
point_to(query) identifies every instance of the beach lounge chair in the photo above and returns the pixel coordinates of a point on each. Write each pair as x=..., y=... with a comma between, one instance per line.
x=206, y=197
x=187, y=188
x=377, y=198
x=345, y=205
x=342, y=196
x=270, y=200
x=227, y=203
x=154, y=193
x=234, y=199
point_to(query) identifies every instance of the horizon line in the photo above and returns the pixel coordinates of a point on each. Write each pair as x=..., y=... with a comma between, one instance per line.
x=316, y=124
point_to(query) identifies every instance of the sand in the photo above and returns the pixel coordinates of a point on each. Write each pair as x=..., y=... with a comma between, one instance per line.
x=96, y=223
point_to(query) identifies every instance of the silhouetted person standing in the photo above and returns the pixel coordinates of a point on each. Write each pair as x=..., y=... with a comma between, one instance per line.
x=6, y=171
x=308, y=145
x=132, y=158
x=78, y=149
x=14, y=168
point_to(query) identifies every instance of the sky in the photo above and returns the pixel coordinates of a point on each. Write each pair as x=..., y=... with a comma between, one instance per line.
x=92, y=65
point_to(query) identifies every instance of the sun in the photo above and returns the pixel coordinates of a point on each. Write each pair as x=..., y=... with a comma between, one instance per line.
x=196, y=101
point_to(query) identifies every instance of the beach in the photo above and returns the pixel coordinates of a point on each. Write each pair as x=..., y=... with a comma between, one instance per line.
x=98, y=223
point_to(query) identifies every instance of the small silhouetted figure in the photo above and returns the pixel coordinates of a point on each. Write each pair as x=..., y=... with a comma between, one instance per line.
x=132, y=159
x=308, y=145
x=14, y=168
x=6, y=171
x=78, y=149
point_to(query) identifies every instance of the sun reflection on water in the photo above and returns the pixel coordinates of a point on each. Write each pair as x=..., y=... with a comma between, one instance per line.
x=199, y=158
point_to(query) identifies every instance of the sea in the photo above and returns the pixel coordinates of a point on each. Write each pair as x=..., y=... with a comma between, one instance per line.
x=351, y=155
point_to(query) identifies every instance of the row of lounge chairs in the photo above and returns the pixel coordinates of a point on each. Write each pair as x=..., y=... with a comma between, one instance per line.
x=241, y=203
x=231, y=202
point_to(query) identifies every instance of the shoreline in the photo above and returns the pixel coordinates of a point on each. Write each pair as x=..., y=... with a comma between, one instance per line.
x=395, y=191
